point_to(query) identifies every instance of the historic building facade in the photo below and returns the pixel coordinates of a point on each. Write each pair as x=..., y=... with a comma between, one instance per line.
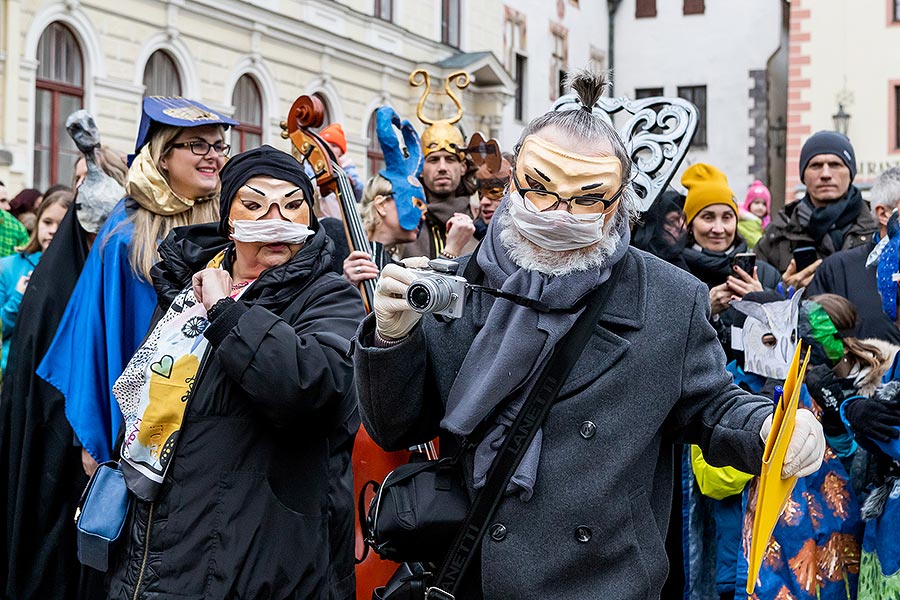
x=843, y=64
x=729, y=59
x=250, y=59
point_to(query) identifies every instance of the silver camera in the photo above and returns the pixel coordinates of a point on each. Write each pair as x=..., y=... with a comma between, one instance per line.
x=438, y=290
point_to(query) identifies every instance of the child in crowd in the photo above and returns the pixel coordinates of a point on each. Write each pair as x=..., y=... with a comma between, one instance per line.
x=755, y=213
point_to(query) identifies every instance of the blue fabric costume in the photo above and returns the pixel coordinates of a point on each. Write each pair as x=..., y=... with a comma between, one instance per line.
x=814, y=549
x=106, y=319
x=111, y=307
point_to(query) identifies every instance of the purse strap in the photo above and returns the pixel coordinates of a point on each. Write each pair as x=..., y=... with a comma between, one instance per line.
x=519, y=437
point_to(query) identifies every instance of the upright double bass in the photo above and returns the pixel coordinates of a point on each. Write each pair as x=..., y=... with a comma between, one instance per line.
x=369, y=461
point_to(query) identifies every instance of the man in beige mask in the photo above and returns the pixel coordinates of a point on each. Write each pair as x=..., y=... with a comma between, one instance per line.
x=586, y=512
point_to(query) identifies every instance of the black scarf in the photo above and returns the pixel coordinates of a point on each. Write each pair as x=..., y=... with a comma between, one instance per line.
x=712, y=268
x=833, y=219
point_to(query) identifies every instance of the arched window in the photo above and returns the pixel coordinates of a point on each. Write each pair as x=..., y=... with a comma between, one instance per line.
x=374, y=155
x=248, y=111
x=59, y=93
x=328, y=116
x=161, y=76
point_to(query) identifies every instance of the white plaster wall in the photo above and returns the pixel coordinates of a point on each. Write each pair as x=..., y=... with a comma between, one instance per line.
x=718, y=49
x=854, y=49
x=587, y=26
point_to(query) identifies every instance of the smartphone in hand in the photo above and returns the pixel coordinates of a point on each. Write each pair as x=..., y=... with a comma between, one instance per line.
x=746, y=261
x=805, y=256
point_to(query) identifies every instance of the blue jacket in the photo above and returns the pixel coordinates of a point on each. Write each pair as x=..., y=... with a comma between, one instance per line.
x=12, y=268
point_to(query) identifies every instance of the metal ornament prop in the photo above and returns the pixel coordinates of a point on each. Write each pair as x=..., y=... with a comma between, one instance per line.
x=441, y=134
x=401, y=166
x=657, y=137
x=769, y=337
x=98, y=193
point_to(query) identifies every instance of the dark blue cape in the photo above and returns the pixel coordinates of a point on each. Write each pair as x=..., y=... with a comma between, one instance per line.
x=104, y=323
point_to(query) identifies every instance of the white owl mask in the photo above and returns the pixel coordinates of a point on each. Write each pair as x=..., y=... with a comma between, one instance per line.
x=769, y=336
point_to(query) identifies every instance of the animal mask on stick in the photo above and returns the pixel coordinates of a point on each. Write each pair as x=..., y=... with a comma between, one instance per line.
x=769, y=336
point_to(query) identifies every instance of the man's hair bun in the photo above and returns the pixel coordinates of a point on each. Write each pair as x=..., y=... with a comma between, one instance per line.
x=587, y=85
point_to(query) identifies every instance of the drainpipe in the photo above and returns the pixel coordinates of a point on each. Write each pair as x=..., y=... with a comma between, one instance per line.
x=612, y=6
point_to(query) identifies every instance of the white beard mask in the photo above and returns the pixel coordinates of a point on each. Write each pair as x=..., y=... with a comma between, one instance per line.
x=270, y=231
x=555, y=230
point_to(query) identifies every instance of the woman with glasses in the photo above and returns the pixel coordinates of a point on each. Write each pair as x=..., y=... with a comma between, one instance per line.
x=173, y=180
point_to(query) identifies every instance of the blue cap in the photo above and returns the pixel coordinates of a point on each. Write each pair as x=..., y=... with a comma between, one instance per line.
x=175, y=112
x=401, y=168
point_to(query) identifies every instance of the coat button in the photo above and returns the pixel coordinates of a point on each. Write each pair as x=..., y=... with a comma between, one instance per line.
x=583, y=534
x=588, y=429
x=498, y=532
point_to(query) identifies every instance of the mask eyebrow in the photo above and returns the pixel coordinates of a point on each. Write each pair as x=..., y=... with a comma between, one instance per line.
x=592, y=186
x=255, y=190
x=292, y=192
x=542, y=175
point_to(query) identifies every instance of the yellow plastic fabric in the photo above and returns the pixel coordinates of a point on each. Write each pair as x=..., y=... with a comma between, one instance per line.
x=773, y=492
x=717, y=482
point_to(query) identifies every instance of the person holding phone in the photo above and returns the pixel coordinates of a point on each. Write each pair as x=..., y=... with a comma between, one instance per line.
x=715, y=253
x=831, y=216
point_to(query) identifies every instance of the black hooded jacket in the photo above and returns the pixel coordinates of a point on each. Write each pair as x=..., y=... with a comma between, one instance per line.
x=258, y=501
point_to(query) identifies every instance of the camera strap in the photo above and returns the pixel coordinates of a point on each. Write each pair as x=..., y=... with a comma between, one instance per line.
x=473, y=273
x=517, y=440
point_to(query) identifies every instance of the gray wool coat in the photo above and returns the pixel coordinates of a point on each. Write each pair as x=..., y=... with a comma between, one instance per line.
x=652, y=374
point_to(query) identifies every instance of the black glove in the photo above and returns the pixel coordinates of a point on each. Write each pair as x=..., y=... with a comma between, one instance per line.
x=828, y=393
x=873, y=419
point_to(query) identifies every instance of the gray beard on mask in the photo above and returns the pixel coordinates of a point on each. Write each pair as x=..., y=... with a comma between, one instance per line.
x=528, y=255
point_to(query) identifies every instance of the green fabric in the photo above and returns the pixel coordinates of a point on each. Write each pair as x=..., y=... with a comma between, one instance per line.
x=873, y=584
x=12, y=234
x=716, y=482
x=825, y=332
x=751, y=230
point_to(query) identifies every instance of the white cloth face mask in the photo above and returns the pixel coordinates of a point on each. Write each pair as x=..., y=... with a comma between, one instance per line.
x=270, y=231
x=555, y=230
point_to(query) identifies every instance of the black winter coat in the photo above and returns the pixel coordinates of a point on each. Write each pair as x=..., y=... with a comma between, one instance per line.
x=258, y=501
x=845, y=274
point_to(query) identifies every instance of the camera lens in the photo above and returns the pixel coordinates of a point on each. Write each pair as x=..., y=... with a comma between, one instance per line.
x=428, y=295
x=419, y=297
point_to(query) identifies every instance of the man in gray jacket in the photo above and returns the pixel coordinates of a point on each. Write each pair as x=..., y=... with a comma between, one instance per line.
x=588, y=507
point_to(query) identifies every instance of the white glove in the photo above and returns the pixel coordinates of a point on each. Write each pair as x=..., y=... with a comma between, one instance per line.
x=393, y=316
x=807, y=446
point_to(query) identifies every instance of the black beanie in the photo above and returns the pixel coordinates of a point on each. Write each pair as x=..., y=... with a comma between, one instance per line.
x=828, y=142
x=267, y=161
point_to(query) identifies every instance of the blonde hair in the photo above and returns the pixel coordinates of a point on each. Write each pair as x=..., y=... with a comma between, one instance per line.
x=376, y=186
x=150, y=228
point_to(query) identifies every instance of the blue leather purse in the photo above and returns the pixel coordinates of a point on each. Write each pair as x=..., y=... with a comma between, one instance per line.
x=101, y=515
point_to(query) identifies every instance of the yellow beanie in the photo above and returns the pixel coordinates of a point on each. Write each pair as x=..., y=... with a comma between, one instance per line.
x=706, y=185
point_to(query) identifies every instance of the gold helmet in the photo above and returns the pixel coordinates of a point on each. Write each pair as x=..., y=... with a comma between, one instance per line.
x=441, y=134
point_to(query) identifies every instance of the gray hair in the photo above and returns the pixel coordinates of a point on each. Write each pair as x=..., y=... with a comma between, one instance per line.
x=886, y=190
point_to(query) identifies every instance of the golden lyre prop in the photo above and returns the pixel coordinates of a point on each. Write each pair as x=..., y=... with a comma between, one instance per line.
x=440, y=133
x=773, y=491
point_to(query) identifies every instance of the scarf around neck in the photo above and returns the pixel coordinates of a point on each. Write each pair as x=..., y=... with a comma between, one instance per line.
x=151, y=190
x=508, y=354
x=829, y=223
x=712, y=268
x=155, y=387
